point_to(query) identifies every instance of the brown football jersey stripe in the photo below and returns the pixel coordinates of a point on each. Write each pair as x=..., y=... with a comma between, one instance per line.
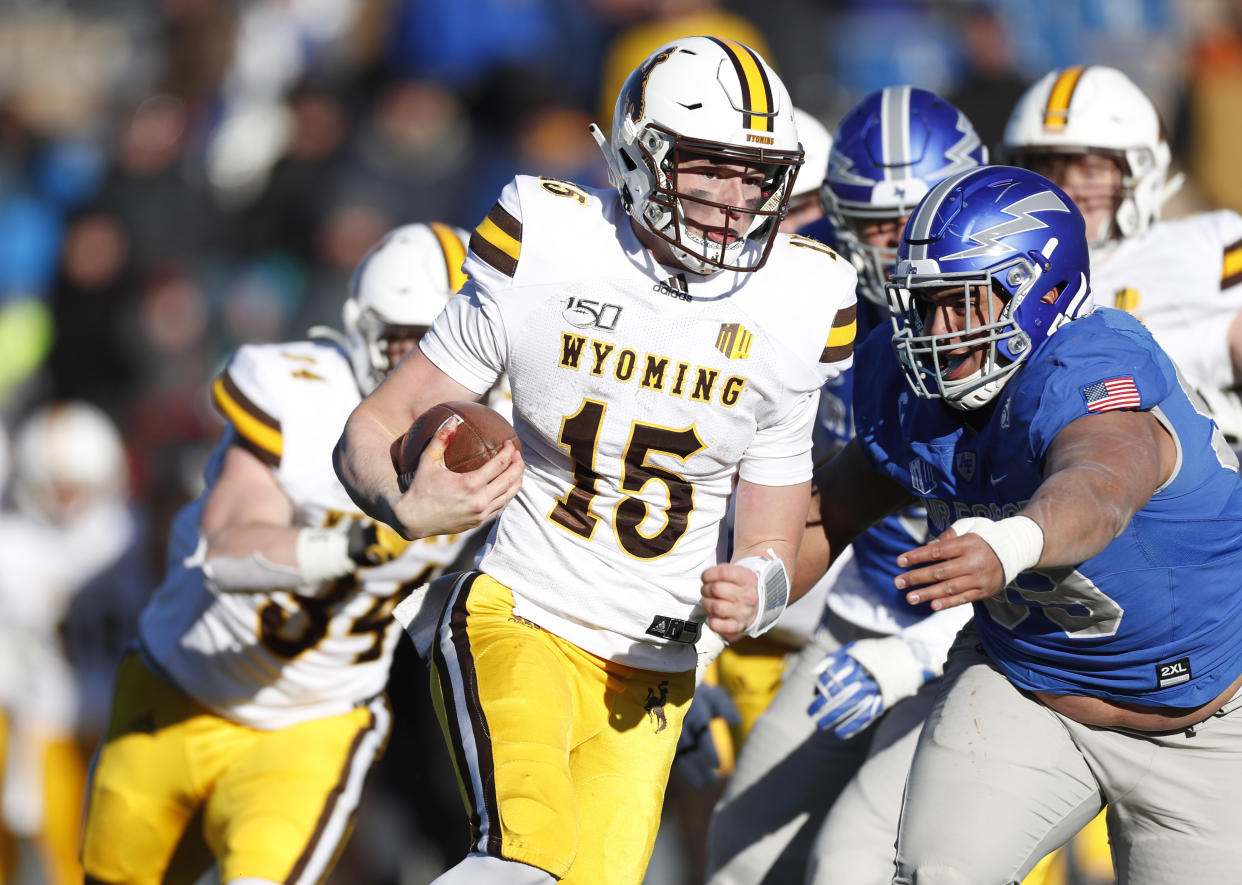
x=257, y=431
x=500, y=217
x=840, y=344
x=498, y=240
x=506, y=264
x=1231, y=270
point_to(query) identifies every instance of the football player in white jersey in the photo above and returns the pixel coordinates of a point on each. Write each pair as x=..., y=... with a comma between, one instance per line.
x=70, y=525
x=254, y=696
x=1095, y=133
x=661, y=340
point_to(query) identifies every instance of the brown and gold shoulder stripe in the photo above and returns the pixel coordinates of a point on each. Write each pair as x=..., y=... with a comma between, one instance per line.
x=258, y=431
x=498, y=240
x=757, y=110
x=840, y=343
x=1231, y=271
x=1056, y=112
x=454, y=253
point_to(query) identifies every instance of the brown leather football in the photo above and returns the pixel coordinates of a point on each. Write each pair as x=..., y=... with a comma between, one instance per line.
x=478, y=437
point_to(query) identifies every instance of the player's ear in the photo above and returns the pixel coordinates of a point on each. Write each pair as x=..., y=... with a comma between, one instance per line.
x=1052, y=294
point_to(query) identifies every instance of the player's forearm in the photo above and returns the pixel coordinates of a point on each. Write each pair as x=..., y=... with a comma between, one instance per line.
x=363, y=462
x=769, y=520
x=259, y=558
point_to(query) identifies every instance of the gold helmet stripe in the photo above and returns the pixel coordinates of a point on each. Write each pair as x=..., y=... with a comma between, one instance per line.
x=258, y=431
x=1231, y=272
x=1056, y=112
x=454, y=254
x=840, y=343
x=757, y=107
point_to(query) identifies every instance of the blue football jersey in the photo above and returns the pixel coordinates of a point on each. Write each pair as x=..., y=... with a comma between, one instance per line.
x=1153, y=618
x=877, y=549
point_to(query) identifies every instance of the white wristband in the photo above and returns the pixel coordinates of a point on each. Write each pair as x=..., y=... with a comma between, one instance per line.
x=323, y=555
x=1017, y=541
x=773, y=590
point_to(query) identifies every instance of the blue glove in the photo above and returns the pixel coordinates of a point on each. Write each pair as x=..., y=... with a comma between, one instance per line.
x=847, y=697
x=698, y=758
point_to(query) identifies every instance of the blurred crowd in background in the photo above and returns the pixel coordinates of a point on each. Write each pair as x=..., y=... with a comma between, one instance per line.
x=178, y=177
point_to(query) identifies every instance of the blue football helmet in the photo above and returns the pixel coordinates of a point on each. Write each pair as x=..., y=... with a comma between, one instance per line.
x=1000, y=230
x=887, y=153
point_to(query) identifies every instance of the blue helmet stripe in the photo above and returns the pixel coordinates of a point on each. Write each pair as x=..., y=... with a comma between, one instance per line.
x=921, y=223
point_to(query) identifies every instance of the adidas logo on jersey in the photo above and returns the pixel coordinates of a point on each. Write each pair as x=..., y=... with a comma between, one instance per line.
x=674, y=287
x=675, y=629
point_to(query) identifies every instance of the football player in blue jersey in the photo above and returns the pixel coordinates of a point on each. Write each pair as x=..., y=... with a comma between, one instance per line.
x=1093, y=516
x=862, y=671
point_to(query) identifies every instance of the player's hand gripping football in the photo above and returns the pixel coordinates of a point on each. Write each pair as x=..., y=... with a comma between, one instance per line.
x=440, y=501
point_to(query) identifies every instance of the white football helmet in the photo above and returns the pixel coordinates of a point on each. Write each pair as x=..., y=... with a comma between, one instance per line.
x=816, y=143
x=1097, y=110
x=67, y=458
x=398, y=289
x=703, y=97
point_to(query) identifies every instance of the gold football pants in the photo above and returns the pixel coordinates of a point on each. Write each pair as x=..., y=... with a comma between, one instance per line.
x=562, y=757
x=276, y=805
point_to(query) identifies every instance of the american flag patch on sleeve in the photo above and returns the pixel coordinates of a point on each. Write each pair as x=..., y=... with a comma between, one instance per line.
x=1115, y=393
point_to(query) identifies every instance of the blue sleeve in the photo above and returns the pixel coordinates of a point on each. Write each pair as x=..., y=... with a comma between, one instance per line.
x=1101, y=363
x=879, y=385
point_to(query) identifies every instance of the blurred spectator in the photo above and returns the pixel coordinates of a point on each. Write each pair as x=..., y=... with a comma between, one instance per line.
x=156, y=194
x=656, y=22
x=878, y=43
x=467, y=43
x=1209, y=123
x=92, y=301
x=288, y=211
x=991, y=84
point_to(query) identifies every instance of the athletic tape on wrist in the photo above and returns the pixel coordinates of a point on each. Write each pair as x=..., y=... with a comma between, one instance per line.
x=773, y=590
x=323, y=555
x=1017, y=541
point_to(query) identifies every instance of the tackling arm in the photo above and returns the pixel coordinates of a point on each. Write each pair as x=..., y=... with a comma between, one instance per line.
x=1099, y=471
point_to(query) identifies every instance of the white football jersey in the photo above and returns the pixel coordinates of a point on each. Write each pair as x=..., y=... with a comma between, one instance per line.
x=272, y=659
x=42, y=566
x=639, y=394
x=1183, y=279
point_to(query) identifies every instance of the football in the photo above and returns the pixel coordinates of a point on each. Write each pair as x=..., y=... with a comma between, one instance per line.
x=478, y=437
